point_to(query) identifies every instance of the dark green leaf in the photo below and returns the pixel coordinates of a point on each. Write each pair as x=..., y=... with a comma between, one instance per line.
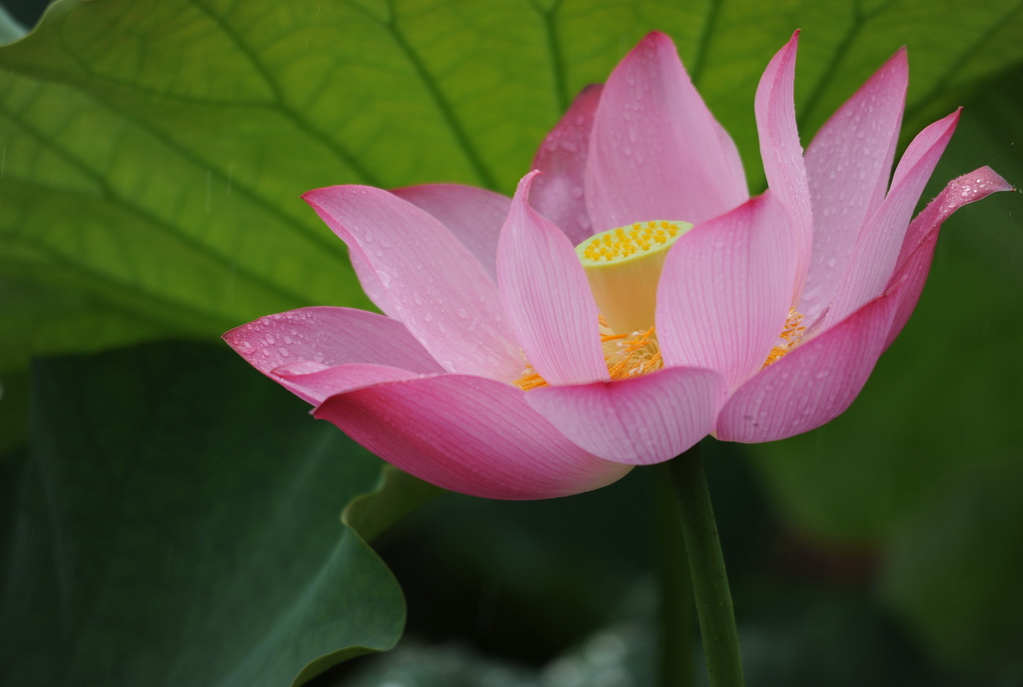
x=177, y=524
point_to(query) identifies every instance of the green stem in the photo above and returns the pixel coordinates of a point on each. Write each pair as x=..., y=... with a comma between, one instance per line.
x=676, y=612
x=707, y=566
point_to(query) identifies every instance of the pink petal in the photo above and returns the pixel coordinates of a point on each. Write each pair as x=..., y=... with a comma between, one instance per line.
x=880, y=239
x=811, y=385
x=473, y=215
x=368, y=279
x=726, y=289
x=917, y=250
x=780, y=149
x=468, y=434
x=847, y=166
x=656, y=151
x=434, y=285
x=559, y=195
x=314, y=384
x=638, y=421
x=329, y=336
x=547, y=296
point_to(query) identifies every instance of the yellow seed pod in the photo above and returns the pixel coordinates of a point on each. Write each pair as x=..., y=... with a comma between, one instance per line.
x=623, y=266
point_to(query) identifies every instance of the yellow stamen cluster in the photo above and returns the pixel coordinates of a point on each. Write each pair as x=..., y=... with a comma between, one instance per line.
x=626, y=355
x=789, y=338
x=633, y=354
x=629, y=355
x=624, y=242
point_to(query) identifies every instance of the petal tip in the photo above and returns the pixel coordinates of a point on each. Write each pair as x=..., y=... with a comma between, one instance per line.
x=522, y=189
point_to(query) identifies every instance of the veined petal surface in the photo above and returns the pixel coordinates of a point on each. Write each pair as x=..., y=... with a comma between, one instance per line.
x=847, y=166
x=638, y=421
x=547, y=296
x=726, y=289
x=434, y=284
x=812, y=384
x=468, y=434
x=474, y=215
x=656, y=151
x=329, y=336
x=880, y=239
x=781, y=152
x=315, y=384
x=559, y=194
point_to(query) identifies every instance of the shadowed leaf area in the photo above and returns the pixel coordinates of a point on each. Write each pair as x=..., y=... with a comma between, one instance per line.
x=164, y=533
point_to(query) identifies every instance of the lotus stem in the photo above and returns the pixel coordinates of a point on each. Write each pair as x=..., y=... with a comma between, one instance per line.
x=676, y=614
x=707, y=568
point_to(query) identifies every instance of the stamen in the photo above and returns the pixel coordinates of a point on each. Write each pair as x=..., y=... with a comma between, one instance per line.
x=626, y=355
x=790, y=337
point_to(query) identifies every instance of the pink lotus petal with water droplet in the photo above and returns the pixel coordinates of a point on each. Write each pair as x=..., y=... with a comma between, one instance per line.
x=636, y=421
x=812, y=384
x=435, y=285
x=880, y=239
x=329, y=336
x=782, y=155
x=847, y=166
x=473, y=215
x=917, y=250
x=656, y=151
x=468, y=434
x=559, y=194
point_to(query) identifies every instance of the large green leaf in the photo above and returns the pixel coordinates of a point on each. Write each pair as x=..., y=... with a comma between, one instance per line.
x=177, y=524
x=153, y=154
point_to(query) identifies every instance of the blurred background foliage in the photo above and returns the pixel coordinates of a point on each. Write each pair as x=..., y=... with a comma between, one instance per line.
x=170, y=517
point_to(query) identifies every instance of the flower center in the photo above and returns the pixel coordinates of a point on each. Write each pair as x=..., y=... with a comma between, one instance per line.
x=623, y=266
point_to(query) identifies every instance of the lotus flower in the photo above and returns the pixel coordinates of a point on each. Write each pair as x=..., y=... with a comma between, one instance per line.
x=631, y=298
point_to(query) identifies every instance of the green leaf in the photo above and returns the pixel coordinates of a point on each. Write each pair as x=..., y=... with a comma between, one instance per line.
x=153, y=155
x=397, y=494
x=176, y=524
